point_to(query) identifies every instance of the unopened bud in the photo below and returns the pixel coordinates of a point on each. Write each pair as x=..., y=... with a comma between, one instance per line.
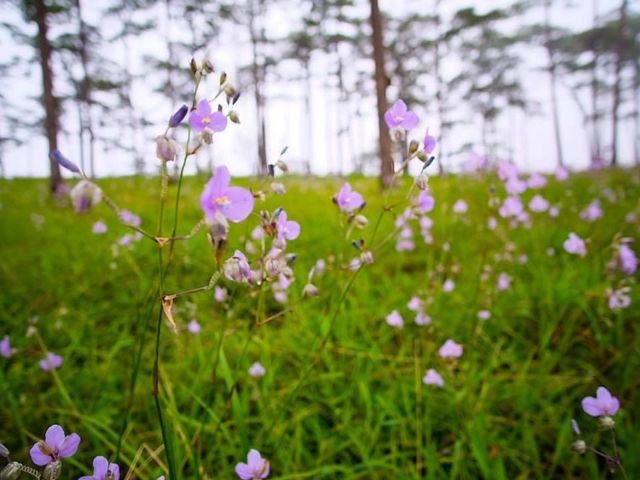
x=422, y=156
x=52, y=471
x=579, y=446
x=607, y=422
x=64, y=161
x=422, y=181
x=207, y=67
x=413, y=147
x=193, y=66
x=282, y=166
x=4, y=451
x=207, y=136
x=398, y=134
x=177, y=117
x=366, y=257
x=229, y=91
x=11, y=471
x=234, y=117
x=223, y=78
x=166, y=149
x=85, y=195
x=278, y=188
x=360, y=221
x=310, y=290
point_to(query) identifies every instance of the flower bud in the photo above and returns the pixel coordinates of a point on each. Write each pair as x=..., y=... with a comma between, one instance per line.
x=207, y=136
x=52, y=471
x=64, y=161
x=360, y=221
x=4, y=451
x=223, y=79
x=207, y=67
x=310, y=290
x=229, y=91
x=218, y=231
x=422, y=156
x=166, y=149
x=193, y=66
x=234, y=117
x=282, y=166
x=177, y=117
x=85, y=195
x=607, y=422
x=397, y=134
x=422, y=181
x=278, y=188
x=579, y=446
x=413, y=147
x=11, y=471
x=366, y=257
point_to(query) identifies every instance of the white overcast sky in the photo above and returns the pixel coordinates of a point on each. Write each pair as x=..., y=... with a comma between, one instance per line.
x=531, y=136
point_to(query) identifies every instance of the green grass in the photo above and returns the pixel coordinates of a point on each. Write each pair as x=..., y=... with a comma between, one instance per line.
x=361, y=410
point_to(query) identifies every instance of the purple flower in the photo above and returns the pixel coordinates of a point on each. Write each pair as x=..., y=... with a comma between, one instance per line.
x=237, y=268
x=460, y=206
x=399, y=116
x=422, y=319
x=619, y=299
x=415, y=304
x=348, y=200
x=202, y=117
x=433, y=378
x=287, y=229
x=426, y=202
x=51, y=362
x=430, y=142
x=99, y=227
x=538, y=204
x=5, y=347
x=575, y=245
x=515, y=186
x=561, y=174
x=235, y=203
x=592, y=212
x=220, y=294
x=256, y=467
x=504, y=281
x=395, y=320
x=507, y=170
x=511, y=207
x=448, y=285
x=55, y=445
x=257, y=370
x=175, y=120
x=85, y=195
x=484, y=315
x=103, y=470
x=57, y=156
x=628, y=260
x=450, y=349
x=194, y=327
x=130, y=218
x=604, y=405
x=536, y=181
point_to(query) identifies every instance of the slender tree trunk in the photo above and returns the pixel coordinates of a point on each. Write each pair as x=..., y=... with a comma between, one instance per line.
x=257, y=70
x=307, y=111
x=616, y=86
x=50, y=103
x=439, y=87
x=384, y=141
x=636, y=111
x=553, y=80
x=595, y=91
x=85, y=89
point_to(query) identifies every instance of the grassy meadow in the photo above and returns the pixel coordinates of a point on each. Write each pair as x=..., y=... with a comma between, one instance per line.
x=343, y=396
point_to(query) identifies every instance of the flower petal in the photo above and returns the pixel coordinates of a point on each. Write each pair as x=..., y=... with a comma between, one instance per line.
x=204, y=108
x=240, y=206
x=244, y=472
x=293, y=230
x=603, y=395
x=255, y=460
x=410, y=121
x=218, y=122
x=100, y=466
x=591, y=406
x=38, y=457
x=69, y=446
x=54, y=437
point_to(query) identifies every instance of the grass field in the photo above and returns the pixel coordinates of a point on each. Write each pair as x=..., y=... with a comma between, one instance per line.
x=343, y=395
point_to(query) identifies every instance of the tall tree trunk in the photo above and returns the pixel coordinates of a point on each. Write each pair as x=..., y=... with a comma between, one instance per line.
x=50, y=104
x=553, y=80
x=439, y=88
x=636, y=110
x=616, y=86
x=307, y=111
x=384, y=141
x=257, y=71
x=85, y=90
x=595, y=91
